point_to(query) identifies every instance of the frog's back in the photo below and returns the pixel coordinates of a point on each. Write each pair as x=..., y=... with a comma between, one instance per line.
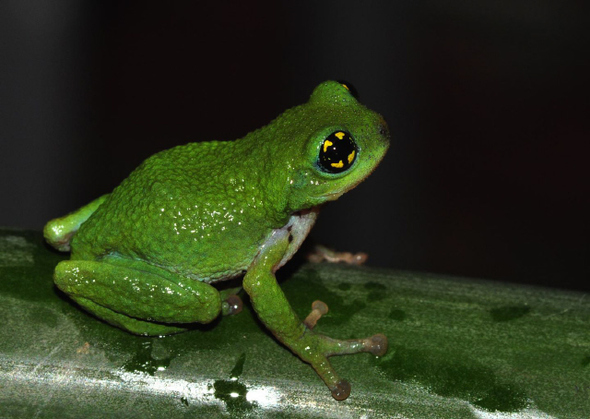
x=196, y=209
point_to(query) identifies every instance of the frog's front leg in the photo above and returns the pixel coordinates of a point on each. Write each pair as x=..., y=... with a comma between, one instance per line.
x=275, y=312
x=136, y=296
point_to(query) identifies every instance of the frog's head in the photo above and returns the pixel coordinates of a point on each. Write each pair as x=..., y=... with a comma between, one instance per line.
x=340, y=140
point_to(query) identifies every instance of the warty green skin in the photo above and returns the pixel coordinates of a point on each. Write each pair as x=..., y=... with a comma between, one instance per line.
x=142, y=257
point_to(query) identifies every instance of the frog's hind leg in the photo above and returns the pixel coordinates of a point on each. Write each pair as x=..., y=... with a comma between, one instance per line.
x=131, y=324
x=136, y=296
x=59, y=232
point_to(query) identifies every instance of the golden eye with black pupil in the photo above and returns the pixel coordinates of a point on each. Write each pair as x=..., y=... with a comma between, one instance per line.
x=348, y=86
x=337, y=152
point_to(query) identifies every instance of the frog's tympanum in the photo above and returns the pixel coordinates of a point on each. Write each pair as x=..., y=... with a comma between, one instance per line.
x=148, y=256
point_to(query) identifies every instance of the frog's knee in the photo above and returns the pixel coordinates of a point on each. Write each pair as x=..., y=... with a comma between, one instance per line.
x=58, y=235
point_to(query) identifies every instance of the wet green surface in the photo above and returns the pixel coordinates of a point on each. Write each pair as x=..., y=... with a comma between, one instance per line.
x=458, y=349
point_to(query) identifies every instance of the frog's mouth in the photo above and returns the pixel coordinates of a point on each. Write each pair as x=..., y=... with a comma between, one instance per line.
x=332, y=196
x=335, y=195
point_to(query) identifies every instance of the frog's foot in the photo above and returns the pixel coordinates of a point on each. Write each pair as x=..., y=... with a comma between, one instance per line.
x=322, y=347
x=326, y=347
x=321, y=253
x=231, y=305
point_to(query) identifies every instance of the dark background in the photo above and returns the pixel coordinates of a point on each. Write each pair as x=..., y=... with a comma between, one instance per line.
x=487, y=102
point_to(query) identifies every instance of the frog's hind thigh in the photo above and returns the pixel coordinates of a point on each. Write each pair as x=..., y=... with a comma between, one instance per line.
x=139, y=298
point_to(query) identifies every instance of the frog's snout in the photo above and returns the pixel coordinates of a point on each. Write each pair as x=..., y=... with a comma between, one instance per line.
x=383, y=129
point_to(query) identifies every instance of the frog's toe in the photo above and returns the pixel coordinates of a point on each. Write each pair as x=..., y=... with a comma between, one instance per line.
x=377, y=344
x=341, y=391
x=321, y=253
x=358, y=258
x=318, y=309
x=232, y=305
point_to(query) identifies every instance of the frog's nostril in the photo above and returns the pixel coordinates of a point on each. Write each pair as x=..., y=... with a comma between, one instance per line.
x=384, y=129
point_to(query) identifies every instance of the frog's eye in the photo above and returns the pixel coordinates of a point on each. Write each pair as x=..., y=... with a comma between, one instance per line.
x=348, y=86
x=337, y=152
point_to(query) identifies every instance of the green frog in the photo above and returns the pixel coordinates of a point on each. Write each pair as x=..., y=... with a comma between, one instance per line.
x=149, y=256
